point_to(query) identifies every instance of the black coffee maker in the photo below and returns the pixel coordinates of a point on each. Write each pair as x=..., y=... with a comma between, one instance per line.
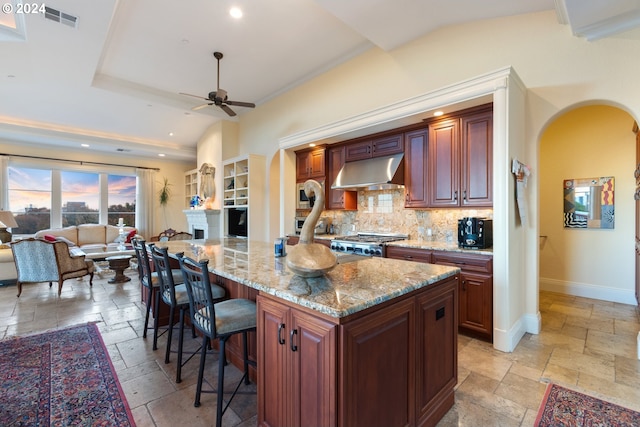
x=475, y=233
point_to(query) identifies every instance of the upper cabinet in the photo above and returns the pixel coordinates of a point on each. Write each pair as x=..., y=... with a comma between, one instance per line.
x=338, y=199
x=381, y=146
x=460, y=160
x=415, y=161
x=310, y=164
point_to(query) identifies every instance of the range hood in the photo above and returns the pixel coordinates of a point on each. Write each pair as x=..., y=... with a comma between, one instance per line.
x=378, y=173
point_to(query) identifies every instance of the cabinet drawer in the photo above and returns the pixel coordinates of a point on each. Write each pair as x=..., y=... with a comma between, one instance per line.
x=409, y=254
x=466, y=262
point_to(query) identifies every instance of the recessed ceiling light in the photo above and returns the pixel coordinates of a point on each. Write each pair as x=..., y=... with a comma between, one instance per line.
x=170, y=133
x=235, y=12
x=438, y=113
x=161, y=155
x=85, y=145
x=312, y=145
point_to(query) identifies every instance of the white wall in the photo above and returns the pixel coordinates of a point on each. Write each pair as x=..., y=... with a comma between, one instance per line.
x=588, y=142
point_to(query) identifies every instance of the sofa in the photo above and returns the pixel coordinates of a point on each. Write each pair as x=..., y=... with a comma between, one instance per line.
x=97, y=241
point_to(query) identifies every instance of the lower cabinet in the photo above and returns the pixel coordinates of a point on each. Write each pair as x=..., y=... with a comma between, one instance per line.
x=476, y=285
x=297, y=360
x=391, y=365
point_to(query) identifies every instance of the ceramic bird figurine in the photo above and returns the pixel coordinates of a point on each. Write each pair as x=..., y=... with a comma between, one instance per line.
x=309, y=259
x=207, y=184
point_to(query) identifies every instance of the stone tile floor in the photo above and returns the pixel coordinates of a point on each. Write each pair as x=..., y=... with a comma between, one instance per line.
x=585, y=344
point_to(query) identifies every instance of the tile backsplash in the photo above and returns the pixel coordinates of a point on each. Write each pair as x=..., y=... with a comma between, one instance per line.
x=384, y=212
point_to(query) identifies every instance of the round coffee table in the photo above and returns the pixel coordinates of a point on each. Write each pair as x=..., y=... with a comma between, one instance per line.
x=119, y=263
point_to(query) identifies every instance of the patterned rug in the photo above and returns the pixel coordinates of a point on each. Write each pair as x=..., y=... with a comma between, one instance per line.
x=60, y=378
x=563, y=407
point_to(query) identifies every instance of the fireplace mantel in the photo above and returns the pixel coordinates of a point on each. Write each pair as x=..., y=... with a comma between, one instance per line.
x=204, y=223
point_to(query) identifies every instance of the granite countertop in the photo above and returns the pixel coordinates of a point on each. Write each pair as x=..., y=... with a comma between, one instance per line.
x=438, y=246
x=347, y=289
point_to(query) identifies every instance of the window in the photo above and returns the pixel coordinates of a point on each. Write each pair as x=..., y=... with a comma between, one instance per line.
x=46, y=198
x=30, y=198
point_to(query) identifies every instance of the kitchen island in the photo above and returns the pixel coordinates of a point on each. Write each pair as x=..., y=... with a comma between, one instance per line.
x=373, y=342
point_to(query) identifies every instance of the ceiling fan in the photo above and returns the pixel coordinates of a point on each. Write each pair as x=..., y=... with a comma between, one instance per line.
x=219, y=96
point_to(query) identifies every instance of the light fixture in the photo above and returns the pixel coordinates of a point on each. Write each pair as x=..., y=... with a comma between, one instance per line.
x=84, y=145
x=6, y=221
x=170, y=133
x=438, y=113
x=235, y=12
x=161, y=154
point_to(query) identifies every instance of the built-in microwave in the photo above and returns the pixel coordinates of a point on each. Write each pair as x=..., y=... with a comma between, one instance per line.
x=304, y=202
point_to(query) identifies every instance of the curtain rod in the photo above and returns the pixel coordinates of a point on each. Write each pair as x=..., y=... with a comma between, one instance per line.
x=82, y=162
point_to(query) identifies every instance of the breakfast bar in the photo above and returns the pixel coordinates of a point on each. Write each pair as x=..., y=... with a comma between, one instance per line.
x=372, y=342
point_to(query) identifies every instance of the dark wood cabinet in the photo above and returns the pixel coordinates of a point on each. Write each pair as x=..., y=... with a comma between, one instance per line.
x=460, y=160
x=476, y=285
x=475, y=291
x=409, y=254
x=378, y=146
x=298, y=360
x=415, y=176
x=310, y=164
x=394, y=364
x=338, y=199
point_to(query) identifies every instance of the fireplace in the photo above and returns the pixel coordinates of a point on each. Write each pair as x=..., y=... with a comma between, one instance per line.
x=204, y=223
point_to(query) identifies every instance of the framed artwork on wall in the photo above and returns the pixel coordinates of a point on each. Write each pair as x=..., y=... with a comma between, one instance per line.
x=589, y=203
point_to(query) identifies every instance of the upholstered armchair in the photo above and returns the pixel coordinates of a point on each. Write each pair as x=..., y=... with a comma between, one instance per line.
x=44, y=261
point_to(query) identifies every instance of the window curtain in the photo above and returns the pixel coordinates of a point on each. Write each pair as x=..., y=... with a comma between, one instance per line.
x=144, y=201
x=4, y=183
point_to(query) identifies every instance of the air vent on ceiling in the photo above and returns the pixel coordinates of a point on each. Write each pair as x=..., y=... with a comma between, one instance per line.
x=61, y=17
x=122, y=149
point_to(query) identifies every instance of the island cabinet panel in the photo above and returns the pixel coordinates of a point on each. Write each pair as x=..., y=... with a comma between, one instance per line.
x=475, y=293
x=298, y=360
x=393, y=364
x=378, y=356
x=234, y=344
x=437, y=371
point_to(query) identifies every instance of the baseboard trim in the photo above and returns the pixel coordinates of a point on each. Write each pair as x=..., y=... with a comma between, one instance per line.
x=604, y=293
x=507, y=340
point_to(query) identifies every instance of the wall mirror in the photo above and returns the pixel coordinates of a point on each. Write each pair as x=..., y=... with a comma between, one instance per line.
x=589, y=203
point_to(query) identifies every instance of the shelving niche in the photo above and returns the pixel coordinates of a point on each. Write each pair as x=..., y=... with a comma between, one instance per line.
x=243, y=183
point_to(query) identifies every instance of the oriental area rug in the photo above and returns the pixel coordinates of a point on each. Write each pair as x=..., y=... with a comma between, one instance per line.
x=563, y=407
x=60, y=378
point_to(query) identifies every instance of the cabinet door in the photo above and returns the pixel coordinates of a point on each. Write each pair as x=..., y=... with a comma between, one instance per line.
x=383, y=146
x=477, y=160
x=443, y=163
x=338, y=199
x=312, y=345
x=317, y=164
x=415, y=170
x=272, y=363
x=358, y=151
x=383, y=343
x=409, y=254
x=476, y=304
x=437, y=350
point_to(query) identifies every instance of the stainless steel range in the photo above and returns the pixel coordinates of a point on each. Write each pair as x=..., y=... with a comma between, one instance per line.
x=367, y=244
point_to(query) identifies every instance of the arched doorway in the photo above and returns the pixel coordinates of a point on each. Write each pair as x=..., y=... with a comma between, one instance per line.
x=583, y=142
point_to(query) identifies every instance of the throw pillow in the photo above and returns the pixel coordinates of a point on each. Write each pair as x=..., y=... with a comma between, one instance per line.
x=49, y=237
x=130, y=236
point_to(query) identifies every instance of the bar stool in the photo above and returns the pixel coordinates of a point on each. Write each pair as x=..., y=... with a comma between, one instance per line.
x=175, y=296
x=219, y=321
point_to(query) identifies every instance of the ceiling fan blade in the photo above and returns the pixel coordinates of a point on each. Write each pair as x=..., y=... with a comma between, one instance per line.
x=227, y=110
x=195, y=96
x=241, y=104
x=200, y=107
